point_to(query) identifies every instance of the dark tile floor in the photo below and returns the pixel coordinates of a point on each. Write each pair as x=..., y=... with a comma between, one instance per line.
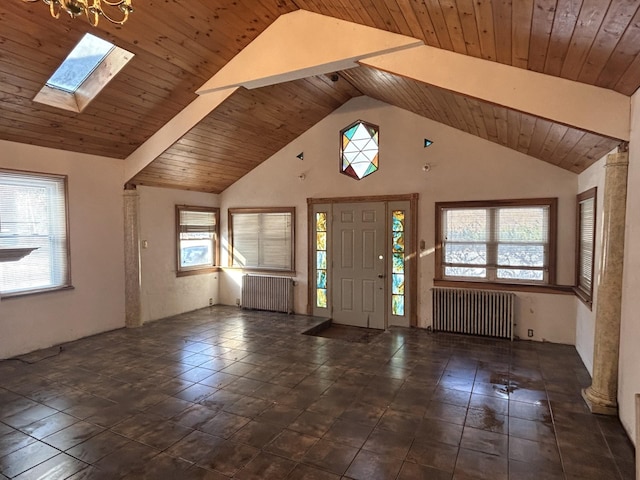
x=222, y=393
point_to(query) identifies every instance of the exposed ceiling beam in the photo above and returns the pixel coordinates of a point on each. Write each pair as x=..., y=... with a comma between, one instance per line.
x=173, y=131
x=297, y=45
x=302, y=44
x=587, y=107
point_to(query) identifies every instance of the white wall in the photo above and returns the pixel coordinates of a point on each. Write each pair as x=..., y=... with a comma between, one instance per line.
x=464, y=167
x=586, y=318
x=629, y=373
x=163, y=294
x=96, y=304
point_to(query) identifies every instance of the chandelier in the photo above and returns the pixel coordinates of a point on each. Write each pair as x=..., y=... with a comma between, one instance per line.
x=93, y=9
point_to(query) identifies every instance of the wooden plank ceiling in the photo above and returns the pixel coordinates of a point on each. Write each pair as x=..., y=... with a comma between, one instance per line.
x=178, y=46
x=566, y=147
x=245, y=130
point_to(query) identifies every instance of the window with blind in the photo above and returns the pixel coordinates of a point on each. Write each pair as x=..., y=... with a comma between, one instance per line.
x=262, y=238
x=197, y=231
x=510, y=241
x=34, y=243
x=585, y=244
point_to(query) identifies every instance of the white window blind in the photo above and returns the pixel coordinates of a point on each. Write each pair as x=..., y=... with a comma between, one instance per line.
x=33, y=215
x=197, y=237
x=501, y=243
x=586, y=241
x=262, y=240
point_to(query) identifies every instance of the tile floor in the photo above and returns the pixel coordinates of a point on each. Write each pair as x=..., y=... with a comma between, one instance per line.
x=222, y=393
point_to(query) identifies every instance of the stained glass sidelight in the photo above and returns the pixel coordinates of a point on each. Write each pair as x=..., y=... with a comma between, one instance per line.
x=321, y=259
x=359, y=149
x=398, y=270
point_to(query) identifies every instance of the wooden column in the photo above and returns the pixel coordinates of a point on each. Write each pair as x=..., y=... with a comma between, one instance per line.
x=602, y=395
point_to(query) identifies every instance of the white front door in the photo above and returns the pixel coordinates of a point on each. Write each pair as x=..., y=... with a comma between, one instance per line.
x=359, y=259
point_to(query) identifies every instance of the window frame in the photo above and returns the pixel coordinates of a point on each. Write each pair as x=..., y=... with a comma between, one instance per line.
x=198, y=270
x=262, y=210
x=585, y=296
x=442, y=280
x=67, y=284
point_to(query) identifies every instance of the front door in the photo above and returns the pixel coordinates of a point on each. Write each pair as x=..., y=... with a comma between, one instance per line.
x=359, y=259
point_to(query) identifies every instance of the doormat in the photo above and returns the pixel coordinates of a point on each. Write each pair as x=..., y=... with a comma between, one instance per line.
x=347, y=333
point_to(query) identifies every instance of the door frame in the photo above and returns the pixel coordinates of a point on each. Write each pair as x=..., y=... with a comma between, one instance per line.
x=411, y=253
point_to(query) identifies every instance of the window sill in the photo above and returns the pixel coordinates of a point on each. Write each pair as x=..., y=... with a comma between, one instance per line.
x=7, y=296
x=517, y=287
x=264, y=271
x=584, y=297
x=199, y=271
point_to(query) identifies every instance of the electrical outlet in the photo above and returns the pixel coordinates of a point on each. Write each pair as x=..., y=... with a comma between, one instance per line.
x=211, y=302
x=530, y=333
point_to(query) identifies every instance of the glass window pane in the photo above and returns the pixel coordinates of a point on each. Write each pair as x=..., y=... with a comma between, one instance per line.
x=321, y=298
x=522, y=224
x=321, y=240
x=520, y=274
x=586, y=243
x=359, y=150
x=398, y=242
x=321, y=260
x=397, y=284
x=197, y=237
x=33, y=216
x=398, y=263
x=262, y=240
x=82, y=60
x=195, y=253
x=521, y=255
x=466, y=225
x=397, y=305
x=512, y=236
x=321, y=280
x=321, y=222
x=475, y=253
x=465, y=272
x=398, y=221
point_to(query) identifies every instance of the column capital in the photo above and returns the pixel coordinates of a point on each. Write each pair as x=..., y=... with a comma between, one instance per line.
x=618, y=159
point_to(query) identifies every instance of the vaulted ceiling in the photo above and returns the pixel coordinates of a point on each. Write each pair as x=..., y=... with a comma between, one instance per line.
x=178, y=46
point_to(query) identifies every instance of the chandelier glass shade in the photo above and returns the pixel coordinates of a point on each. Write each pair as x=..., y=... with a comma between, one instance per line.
x=115, y=11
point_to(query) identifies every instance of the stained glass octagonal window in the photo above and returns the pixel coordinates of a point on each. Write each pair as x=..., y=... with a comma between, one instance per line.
x=359, y=149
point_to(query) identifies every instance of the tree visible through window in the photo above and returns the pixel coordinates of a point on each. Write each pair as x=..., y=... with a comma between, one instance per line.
x=33, y=218
x=197, y=239
x=504, y=241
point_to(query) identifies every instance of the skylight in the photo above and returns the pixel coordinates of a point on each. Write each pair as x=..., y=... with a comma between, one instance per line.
x=90, y=66
x=81, y=62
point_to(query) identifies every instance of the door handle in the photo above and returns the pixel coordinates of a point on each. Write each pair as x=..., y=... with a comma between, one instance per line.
x=380, y=275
